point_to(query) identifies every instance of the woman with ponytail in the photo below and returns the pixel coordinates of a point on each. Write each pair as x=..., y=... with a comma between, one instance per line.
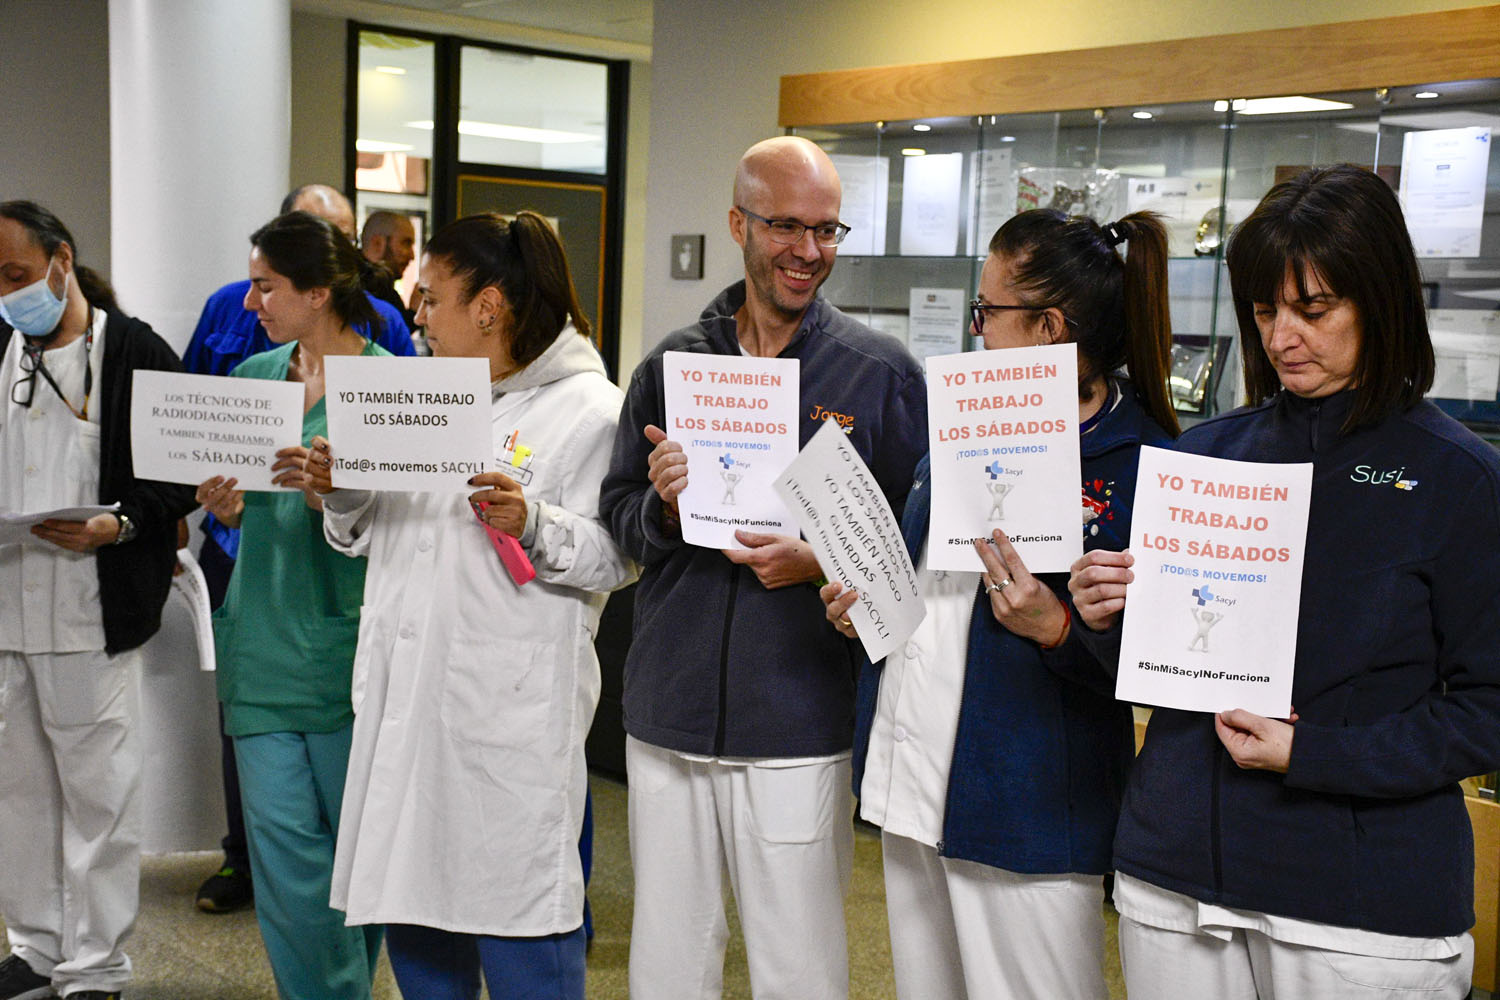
x=990, y=749
x=287, y=628
x=474, y=688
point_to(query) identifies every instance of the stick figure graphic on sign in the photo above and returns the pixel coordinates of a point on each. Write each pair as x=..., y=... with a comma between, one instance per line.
x=1203, y=618
x=731, y=479
x=998, y=492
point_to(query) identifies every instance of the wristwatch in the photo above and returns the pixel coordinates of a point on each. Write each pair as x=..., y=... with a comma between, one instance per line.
x=128, y=529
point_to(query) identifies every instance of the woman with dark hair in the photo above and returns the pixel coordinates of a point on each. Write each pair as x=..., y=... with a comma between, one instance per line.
x=1330, y=854
x=80, y=597
x=286, y=631
x=473, y=693
x=990, y=749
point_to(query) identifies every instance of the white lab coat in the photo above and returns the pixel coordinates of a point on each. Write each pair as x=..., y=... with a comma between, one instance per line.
x=472, y=695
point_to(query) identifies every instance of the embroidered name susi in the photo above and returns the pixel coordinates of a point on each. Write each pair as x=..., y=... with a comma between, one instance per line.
x=845, y=420
x=515, y=459
x=1383, y=477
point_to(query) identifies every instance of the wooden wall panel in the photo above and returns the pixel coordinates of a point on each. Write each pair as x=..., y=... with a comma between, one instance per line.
x=1383, y=52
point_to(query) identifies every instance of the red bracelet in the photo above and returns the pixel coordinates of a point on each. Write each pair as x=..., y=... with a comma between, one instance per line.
x=1067, y=623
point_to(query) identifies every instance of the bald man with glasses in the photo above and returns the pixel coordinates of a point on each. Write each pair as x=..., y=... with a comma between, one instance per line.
x=739, y=697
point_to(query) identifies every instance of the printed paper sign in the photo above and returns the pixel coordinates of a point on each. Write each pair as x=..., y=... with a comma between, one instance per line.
x=407, y=424
x=939, y=319
x=188, y=428
x=736, y=419
x=1443, y=178
x=1211, y=619
x=847, y=520
x=931, y=187
x=1003, y=432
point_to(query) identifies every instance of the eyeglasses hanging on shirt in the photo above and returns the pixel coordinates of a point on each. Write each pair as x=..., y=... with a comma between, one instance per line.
x=33, y=363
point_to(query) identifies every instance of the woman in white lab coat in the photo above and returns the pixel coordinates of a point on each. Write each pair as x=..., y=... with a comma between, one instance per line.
x=473, y=693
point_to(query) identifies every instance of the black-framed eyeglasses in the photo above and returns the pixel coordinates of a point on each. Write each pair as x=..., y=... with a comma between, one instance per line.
x=978, y=307
x=789, y=231
x=32, y=364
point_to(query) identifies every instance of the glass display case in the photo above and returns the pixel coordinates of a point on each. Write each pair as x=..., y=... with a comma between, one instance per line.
x=924, y=195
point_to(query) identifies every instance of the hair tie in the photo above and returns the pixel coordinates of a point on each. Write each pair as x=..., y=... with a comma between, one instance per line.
x=1113, y=235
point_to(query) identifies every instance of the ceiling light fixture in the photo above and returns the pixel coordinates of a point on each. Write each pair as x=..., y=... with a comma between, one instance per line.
x=392, y=70
x=378, y=146
x=913, y=151
x=919, y=127
x=1426, y=95
x=1142, y=115
x=1281, y=105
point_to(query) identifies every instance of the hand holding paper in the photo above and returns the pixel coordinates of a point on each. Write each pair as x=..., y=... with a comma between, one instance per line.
x=218, y=496
x=1098, y=584
x=290, y=471
x=836, y=604
x=1255, y=742
x=666, y=466
x=1020, y=602
x=317, y=466
x=79, y=536
x=777, y=560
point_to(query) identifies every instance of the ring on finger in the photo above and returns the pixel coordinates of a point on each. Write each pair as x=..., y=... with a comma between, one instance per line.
x=995, y=588
x=846, y=623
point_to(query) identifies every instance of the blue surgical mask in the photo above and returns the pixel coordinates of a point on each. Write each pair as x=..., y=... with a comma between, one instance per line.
x=34, y=310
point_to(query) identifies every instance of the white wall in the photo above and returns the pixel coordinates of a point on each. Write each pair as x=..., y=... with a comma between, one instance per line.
x=716, y=76
x=54, y=118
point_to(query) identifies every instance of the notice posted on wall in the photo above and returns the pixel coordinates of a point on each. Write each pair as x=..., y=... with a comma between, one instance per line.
x=1443, y=180
x=939, y=318
x=849, y=523
x=408, y=424
x=1003, y=433
x=189, y=428
x=1211, y=619
x=736, y=419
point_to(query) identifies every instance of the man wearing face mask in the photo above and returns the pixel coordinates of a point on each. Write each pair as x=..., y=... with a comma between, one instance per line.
x=79, y=597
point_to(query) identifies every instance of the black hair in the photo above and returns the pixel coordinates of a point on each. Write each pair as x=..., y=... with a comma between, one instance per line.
x=525, y=260
x=1344, y=225
x=311, y=253
x=1116, y=308
x=47, y=231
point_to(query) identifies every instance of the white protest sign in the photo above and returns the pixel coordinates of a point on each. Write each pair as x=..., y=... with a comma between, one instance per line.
x=1003, y=433
x=187, y=428
x=408, y=424
x=845, y=517
x=736, y=419
x=1211, y=619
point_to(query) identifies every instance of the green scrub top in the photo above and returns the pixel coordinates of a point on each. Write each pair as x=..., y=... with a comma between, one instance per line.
x=286, y=633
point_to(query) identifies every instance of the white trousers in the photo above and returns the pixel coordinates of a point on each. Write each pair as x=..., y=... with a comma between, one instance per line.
x=1169, y=965
x=784, y=835
x=960, y=929
x=70, y=826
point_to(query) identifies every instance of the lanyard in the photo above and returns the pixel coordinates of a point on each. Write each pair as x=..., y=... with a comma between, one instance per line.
x=33, y=358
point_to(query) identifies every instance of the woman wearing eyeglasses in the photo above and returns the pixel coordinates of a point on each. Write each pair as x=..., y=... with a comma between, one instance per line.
x=79, y=596
x=990, y=749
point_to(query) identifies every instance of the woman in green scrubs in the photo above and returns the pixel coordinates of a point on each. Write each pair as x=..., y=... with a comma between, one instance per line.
x=286, y=633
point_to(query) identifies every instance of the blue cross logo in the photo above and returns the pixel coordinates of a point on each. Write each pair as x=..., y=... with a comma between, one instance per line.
x=1202, y=594
x=726, y=460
